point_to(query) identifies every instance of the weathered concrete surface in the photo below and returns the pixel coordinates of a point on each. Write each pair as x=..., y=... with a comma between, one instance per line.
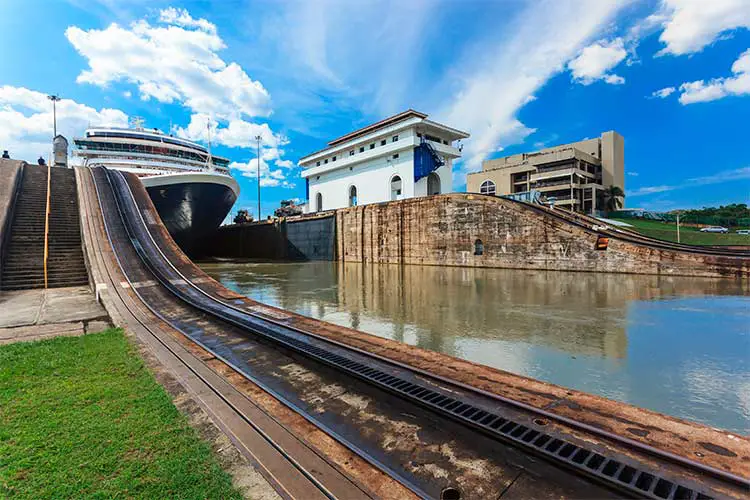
x=442, y=230
x=9, y=176
x=39, y=314
x=298, y=238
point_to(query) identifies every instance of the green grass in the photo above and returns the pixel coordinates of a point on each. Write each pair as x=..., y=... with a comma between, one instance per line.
x=82, y=417
x=688, y=235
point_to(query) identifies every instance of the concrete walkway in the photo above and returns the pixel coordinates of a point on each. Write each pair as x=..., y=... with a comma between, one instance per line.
x=38, y=314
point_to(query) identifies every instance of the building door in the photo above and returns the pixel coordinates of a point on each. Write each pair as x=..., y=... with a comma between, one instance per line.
x=318, y=202
x=433, y=184
x=353, y=196
x=395, y=188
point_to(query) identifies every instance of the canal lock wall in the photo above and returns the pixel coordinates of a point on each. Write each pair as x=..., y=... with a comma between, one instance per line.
x=461, y=229
x=303, y=239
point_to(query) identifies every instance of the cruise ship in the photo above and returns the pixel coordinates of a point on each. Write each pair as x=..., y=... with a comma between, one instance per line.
x=192, y=189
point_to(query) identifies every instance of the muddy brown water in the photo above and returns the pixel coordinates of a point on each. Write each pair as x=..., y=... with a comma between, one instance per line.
x=680, y=346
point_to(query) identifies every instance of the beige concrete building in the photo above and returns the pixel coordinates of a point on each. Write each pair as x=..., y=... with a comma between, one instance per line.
x=574, y=174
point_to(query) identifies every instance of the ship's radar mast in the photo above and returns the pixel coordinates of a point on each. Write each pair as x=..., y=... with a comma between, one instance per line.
x=137, y=122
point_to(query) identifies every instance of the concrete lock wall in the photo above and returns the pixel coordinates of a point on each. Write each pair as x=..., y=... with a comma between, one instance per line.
x=303, y=239
x=10, y=177
x=444, y=230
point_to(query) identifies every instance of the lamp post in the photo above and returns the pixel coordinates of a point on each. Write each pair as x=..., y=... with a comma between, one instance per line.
x=54, y=98
x=257, y=138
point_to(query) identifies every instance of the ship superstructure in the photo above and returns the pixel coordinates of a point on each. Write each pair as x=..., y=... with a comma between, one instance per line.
x=192, y=189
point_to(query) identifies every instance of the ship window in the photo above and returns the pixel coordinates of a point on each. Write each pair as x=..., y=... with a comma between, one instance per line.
x=351, y=153
x=487, y=187
x=353, y=196
x=394, y=138
x=333, y=159
x=395, y=156
x=382, y=143
x=362, y=149
x=372, y=146
x=326, y=160
x=317, y=164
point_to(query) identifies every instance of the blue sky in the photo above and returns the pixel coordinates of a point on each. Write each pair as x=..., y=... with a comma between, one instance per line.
x=672, y=76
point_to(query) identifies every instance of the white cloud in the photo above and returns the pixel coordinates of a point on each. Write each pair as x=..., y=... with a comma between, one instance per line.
x=596, y=60
x=663, y=93
x=175, y=61
x=181, y=17
x=236, y=134
x=632, y=174
x=355, y=49
x=26, y=121
x=269, y=177
x=498, y=77
x=737, y=174
x=690, y=25
x=717, y=88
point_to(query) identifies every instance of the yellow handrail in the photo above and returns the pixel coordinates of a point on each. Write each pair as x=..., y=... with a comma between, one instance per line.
x=46, y=226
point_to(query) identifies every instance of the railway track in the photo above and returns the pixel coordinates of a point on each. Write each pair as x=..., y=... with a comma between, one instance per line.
x=618, y=464
x=588, y=223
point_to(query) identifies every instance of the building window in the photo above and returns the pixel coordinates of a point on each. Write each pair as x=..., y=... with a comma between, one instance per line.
x=351, y=153
x=478, y=247
x=394, y=138
x=395, y=156
x=318, y=202
x=352, y=196
x=372, y=146
x=395, y=188
x=362, y=149
x=445, y=142
x=317, y=164
x=333, y=159
x=487, y=187
x=382, y=143
x=433, y=184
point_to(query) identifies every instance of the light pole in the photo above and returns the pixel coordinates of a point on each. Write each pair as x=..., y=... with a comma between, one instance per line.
x=257, y=138
x=54, y=98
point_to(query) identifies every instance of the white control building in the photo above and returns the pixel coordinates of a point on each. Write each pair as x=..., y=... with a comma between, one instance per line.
x=403, y=156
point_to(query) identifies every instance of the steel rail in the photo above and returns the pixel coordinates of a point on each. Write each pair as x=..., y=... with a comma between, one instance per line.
x=626, y=442
x=148, y=328
x=280, y=397
x=46, y=226
x=630, y=236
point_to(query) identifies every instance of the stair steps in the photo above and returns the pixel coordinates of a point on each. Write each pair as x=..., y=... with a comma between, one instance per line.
x=23, y=266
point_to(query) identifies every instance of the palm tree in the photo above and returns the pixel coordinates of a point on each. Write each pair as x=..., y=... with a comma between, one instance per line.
x=613, y=196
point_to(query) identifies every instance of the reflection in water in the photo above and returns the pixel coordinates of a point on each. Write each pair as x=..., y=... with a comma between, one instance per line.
x=680, y=346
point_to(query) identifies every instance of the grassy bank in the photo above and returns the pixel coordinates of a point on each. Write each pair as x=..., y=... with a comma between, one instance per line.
x=82, y=417
x=688, y=235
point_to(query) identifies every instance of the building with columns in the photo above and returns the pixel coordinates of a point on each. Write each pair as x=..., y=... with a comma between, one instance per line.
x=575, y=175
x=403, y=156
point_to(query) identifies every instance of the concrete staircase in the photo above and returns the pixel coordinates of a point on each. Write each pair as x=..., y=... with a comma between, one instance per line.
x=65, y=264
x=23, y=266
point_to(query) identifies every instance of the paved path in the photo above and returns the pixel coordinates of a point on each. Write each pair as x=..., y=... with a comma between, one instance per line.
x=38, y=314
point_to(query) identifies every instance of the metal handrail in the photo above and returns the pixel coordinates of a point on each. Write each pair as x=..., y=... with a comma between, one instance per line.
x=46, y=225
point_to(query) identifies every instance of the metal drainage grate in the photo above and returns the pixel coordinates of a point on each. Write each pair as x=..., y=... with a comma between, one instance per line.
x=608, y=470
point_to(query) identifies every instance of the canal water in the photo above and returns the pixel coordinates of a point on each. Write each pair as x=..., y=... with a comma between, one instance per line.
x=679, y=346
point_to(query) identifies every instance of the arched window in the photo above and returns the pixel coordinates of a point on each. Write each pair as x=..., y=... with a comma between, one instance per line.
x=433, y=184
x=318, y=202
x=478, y=247
x=395, y=187
x=487, y=187
x=352, y=196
